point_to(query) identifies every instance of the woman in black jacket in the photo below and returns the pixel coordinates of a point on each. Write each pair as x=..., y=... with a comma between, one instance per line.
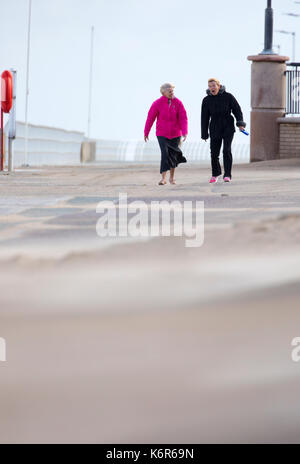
x=218, y=123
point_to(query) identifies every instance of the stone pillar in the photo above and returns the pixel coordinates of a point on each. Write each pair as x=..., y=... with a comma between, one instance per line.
x=88, y=152
x=268, y=103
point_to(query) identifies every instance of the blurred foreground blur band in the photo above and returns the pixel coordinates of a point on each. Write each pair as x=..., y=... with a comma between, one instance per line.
x=142, y=339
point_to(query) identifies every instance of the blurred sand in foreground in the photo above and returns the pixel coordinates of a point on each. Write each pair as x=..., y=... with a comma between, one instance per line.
x=147, y=341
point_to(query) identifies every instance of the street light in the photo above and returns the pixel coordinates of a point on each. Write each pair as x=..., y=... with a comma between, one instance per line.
x=268, y=50
x=293, y=34
x=294, y=15
x=91, y=82
x=279, y=47
x=27, y=85
x=291, y=14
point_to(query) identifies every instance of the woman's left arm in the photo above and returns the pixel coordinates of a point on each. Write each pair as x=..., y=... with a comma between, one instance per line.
x=236, y=109
x=183, y=120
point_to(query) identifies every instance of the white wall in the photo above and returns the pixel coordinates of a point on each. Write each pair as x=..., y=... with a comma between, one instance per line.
x=139, y=151
x=53, y=146
x=47, y=146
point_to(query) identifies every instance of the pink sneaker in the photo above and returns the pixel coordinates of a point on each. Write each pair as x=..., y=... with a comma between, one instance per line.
x=227, y=179
x=213, y=180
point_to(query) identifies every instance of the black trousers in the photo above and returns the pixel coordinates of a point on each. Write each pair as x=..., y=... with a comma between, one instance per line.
x=171, y=154
x=215, y=147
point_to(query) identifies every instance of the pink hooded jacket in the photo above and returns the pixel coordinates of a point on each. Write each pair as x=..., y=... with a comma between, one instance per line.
x=171, y=120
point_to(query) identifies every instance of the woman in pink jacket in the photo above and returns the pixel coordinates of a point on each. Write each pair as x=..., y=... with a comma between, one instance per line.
x=171, y=124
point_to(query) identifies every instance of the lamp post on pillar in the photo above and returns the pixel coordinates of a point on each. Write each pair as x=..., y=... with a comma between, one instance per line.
x=268, y=95
x=269, y=22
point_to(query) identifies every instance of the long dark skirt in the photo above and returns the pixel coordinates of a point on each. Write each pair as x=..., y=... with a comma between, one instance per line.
x=171, y=154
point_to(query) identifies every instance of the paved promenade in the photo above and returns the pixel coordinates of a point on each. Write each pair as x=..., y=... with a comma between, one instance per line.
x=122, y=340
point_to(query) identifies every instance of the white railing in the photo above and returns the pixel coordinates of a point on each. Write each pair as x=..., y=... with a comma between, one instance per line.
x=47, y=146
x=140, y=152
x=53, y=146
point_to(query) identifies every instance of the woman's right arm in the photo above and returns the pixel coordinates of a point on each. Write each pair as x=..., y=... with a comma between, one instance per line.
x=152, y=115
x=204, y=119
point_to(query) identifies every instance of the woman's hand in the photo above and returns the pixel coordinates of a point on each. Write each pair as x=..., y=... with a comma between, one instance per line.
x=146, y=138
x=242, y=128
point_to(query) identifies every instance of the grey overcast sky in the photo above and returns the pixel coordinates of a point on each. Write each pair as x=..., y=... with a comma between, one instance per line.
x=139, y=45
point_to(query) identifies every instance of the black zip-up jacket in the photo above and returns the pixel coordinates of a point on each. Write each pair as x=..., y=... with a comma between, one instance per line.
x=216, y=114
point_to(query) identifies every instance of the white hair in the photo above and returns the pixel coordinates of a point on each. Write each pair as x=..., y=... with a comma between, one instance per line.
x=166, y=86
